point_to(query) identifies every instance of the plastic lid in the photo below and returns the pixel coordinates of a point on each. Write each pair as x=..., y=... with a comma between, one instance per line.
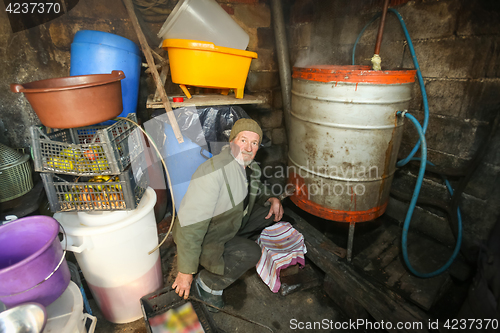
x=106, y=38
x=178, y=99
x=354, y=74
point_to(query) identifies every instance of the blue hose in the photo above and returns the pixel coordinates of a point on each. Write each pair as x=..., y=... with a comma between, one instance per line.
x=419, y=75
x=413, y=202
x=423, y=160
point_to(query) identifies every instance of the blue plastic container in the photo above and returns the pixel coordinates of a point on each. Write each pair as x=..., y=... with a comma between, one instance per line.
x=98, y=52
x=182, y=160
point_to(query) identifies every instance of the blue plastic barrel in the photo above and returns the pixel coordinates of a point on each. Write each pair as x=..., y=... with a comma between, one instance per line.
x=98, y=52
x=182, y=160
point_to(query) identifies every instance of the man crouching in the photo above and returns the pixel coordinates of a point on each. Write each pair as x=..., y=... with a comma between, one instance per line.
x=222, y=211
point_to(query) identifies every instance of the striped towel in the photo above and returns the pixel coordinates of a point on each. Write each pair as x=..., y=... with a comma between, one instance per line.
x=282, y=246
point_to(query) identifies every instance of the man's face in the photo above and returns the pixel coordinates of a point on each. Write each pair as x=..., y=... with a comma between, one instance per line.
x=245, y=146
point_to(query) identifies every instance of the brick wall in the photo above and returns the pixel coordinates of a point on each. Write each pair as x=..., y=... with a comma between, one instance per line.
x=457, y=46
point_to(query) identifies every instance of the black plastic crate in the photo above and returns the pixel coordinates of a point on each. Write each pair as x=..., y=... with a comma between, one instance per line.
x=87, y=151
x=165, y=299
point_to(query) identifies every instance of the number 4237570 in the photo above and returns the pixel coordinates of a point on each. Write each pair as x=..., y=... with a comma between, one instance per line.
x=33, y=8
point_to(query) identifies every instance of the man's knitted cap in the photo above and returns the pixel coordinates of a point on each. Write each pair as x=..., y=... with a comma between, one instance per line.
x=245, y=124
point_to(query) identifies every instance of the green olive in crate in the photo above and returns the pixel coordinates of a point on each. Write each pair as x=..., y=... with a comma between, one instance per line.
x=101, y=195
x=60, y=163
x=65, y=160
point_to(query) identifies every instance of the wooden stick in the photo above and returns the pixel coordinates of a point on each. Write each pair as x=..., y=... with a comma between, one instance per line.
x=158, y=57
x=163, y=78
x=151, y=63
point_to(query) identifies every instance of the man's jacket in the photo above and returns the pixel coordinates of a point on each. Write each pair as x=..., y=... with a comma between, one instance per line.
x=211, y=212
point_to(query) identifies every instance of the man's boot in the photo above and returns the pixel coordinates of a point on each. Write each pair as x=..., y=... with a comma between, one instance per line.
x=212, y=297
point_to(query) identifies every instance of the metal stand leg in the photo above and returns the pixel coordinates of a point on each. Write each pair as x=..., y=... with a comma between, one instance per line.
x=350, y=240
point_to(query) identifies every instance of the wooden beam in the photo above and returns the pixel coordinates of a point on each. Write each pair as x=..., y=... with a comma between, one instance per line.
x=344, y=299
x=151, y=63
x=380, y=302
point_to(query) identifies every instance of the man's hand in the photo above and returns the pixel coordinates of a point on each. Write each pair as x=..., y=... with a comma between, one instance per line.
x=182, y=284
x=276, y=209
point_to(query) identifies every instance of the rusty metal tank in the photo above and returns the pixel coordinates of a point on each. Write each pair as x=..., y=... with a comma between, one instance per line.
x=344, y=139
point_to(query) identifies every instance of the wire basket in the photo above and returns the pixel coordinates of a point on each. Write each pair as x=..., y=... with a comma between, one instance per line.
x=87, y=151
x=100, y=193
x=15, y=174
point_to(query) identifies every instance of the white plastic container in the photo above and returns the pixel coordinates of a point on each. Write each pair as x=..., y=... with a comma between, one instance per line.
x=114, y=256
x=204, y=20
x=66, y=315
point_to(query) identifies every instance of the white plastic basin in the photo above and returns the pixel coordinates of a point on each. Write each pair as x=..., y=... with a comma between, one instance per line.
x=204, y=20
x=66, y=315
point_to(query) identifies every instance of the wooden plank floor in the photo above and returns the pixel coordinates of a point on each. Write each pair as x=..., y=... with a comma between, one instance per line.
x=382, y=261
x=382, y=303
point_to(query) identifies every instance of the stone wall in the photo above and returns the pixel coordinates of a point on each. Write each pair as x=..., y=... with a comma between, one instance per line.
x=457, y=46
x=43, y=52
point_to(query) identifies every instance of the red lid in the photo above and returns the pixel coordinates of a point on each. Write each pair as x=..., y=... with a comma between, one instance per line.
x=355, y=74
x=178, y=99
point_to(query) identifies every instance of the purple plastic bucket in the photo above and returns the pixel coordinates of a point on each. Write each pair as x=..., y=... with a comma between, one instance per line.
x=30, y=252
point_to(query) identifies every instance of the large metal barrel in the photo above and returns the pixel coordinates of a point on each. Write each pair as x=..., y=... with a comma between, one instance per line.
x=344, y=139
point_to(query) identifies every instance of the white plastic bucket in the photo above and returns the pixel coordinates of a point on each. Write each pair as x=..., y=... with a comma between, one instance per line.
x=204, y=20
x=66, y=315
x=114, y=257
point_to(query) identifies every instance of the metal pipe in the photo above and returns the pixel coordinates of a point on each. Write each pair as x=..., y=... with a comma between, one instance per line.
x=381, y=28
x=350, y=241
x=283, y=60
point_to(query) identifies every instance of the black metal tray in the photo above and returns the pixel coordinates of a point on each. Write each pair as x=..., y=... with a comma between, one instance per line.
x=165, y=299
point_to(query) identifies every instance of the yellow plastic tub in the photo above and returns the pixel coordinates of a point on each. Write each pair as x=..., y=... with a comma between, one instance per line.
x=203, y=64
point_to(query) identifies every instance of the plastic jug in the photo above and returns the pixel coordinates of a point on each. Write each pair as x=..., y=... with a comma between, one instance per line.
x=98, y=52
x=182, y=159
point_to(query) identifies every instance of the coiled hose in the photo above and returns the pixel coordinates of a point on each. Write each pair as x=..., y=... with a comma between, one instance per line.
x=416, y=192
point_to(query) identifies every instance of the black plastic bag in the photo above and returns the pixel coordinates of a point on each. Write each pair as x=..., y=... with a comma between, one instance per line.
x=216, y=123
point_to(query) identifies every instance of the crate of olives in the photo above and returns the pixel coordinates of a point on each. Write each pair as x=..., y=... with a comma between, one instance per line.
x=87, y=151
x=67, y=193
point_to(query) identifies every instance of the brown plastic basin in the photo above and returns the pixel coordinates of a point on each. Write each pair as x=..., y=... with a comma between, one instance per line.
x=75, y=101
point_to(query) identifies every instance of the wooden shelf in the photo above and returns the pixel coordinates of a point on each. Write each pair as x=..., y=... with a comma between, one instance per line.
x=206, y=100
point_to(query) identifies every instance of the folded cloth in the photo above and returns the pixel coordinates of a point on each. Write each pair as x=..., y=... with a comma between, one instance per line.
x=282, y=246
